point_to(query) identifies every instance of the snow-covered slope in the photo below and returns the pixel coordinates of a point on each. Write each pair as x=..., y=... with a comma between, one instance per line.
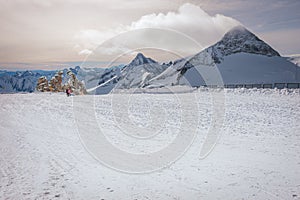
x=294, y=59
x=244, y=68
x=91, y=76
x=240, y=57
x=170, y=76
x=256, y=157
x=108, y=79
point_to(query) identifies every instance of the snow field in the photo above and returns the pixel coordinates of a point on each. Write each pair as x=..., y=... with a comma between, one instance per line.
x=257, y=155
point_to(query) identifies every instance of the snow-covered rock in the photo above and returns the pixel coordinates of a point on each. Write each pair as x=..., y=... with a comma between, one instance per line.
x=76, y=86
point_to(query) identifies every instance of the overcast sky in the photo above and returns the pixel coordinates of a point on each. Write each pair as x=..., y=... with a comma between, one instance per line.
x=36, y=33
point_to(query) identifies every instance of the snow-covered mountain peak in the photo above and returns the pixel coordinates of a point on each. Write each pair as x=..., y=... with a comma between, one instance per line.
x=239, y=40
x=140, y=59
x=139, y=72
x=237, y=33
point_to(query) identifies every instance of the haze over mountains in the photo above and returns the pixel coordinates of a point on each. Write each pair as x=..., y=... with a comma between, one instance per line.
x=240, y=57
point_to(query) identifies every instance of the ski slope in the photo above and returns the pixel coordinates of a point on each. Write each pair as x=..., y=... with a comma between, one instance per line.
x=100, y=85
x=256, y=156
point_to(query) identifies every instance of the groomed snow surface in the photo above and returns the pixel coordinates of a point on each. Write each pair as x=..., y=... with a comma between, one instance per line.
x=257, y=155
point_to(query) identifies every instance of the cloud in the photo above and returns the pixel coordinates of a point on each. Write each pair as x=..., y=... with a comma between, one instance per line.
x=189, y=22
x=189, y=19
x=90, y=38
x=85, y=52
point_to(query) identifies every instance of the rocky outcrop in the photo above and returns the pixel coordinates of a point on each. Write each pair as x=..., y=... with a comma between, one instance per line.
x=55, y=84
x=42, y=84
x=77, y=87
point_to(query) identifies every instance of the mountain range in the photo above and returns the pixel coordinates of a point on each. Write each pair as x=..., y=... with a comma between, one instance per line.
x=240, y=57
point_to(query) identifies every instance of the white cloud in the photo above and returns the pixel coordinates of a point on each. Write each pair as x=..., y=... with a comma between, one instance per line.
x=189, y=22
x=85, y=52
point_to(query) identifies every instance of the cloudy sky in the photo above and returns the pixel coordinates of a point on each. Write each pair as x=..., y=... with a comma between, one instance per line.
x=49, y=33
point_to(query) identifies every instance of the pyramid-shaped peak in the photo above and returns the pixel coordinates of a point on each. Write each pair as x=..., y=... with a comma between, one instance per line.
x=140, y=55
x=240, y=29
x=241, y=40
x=140, y=59
x=239, y=32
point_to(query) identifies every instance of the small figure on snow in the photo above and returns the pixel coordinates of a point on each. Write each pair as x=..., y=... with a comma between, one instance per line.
x=68, y=92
